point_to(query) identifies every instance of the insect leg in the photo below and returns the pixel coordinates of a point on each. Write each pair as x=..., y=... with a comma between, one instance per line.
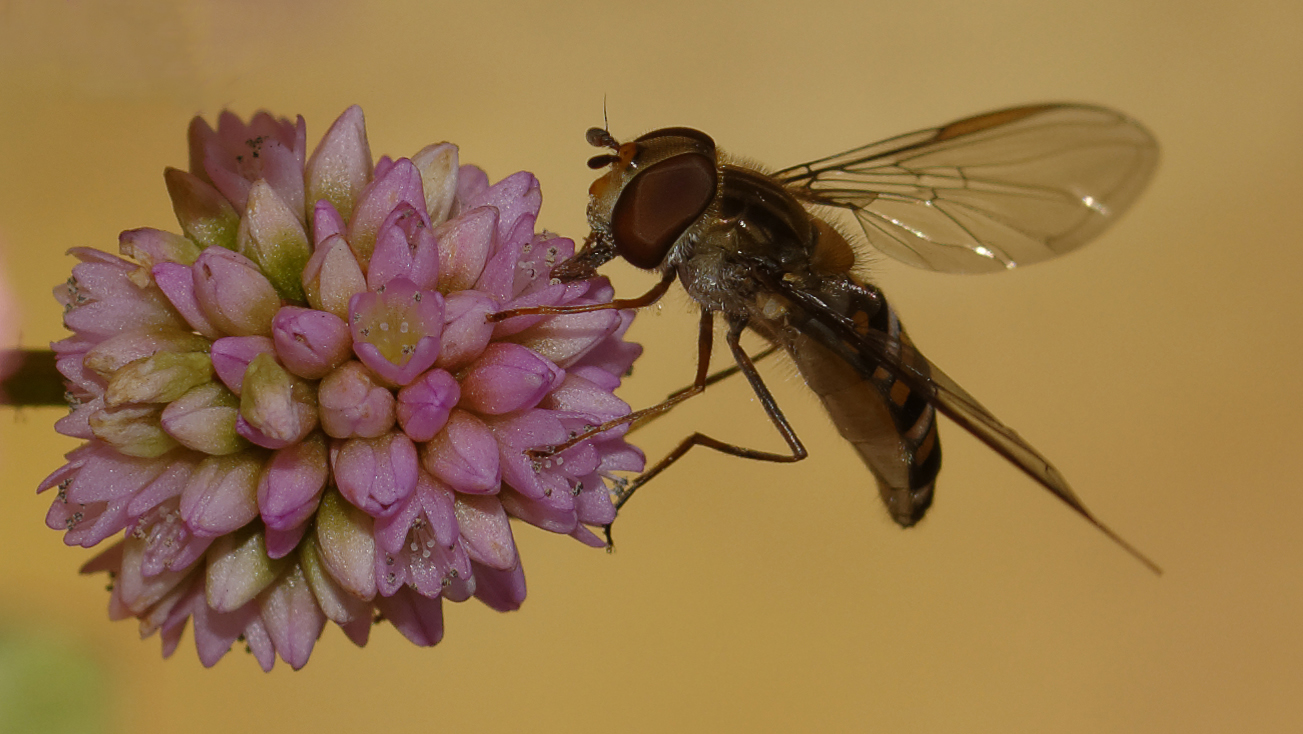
x=726, y=373
x=645, y=299
x=748, y=368
x=719, y=376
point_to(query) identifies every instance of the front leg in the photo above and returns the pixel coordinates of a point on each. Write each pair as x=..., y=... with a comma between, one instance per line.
x=645, y=299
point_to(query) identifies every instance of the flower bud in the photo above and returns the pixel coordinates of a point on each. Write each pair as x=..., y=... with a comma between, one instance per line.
x=376, y=474
x=133, y=430
x=222, y=494
x=405, y=248
x=276, y=408
x=177, y=282
x=339, y=605
x=464, y=245
x=352, y=404
x=205, y=215
x=162, y=378
x=438, y=166
x=466, y=328
x=396, y=332
x=291, y=484
x=332, y=277
x=464, y=455
x=272, y=236
x=423, y=406
x=563, y=343
x=311, y=343
x=238, y=569
x=150, y=247
x=483, y=525
x=515, y=196
x=231, y=357
x=114, y=353
x=204, y=420
x=507, y=378
x=293, y=619
x=340, y=167
x=325, y=222
x=400, y=183
x=236, y=297
x=346, y=546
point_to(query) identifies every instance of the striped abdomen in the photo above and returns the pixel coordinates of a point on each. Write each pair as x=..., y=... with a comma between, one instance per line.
x=892, y=427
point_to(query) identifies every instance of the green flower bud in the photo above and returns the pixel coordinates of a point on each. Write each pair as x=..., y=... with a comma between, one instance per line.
x=205, y=215
x=271, y=235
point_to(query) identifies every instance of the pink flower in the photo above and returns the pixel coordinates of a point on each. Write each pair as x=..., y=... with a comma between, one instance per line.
x=298, y=413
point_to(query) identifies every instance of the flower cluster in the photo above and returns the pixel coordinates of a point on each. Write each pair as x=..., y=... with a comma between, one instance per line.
x=298, y=411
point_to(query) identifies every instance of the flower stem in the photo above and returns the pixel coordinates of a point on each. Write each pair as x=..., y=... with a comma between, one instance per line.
x=33, y=379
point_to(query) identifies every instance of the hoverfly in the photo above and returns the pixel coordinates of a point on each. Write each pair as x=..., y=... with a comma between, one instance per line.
x=983, y=194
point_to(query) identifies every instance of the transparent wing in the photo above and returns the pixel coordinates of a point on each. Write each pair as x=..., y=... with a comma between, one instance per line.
x=991, y=192
x=870, y=349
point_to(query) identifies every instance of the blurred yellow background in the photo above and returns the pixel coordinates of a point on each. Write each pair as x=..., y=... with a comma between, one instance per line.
x=1158, y=367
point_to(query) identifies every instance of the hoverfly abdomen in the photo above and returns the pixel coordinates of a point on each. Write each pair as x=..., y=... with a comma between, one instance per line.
x=892, y=426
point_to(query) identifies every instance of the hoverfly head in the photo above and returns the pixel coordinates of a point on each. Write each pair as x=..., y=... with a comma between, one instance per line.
x=659, y=185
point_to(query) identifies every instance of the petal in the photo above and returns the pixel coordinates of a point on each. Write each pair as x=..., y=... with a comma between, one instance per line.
x=178, y=283
x=418, y=618
x=205, y=215
x=466, y=328
x=502, y=591
x=294, y=620
x=231, y=357
x=271, y=234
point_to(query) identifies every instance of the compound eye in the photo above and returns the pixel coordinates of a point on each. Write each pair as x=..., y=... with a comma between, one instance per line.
x=659, y=204
x=703, y=140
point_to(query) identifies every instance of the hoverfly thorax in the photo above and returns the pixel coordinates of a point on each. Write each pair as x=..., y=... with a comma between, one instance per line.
x=658, y=186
